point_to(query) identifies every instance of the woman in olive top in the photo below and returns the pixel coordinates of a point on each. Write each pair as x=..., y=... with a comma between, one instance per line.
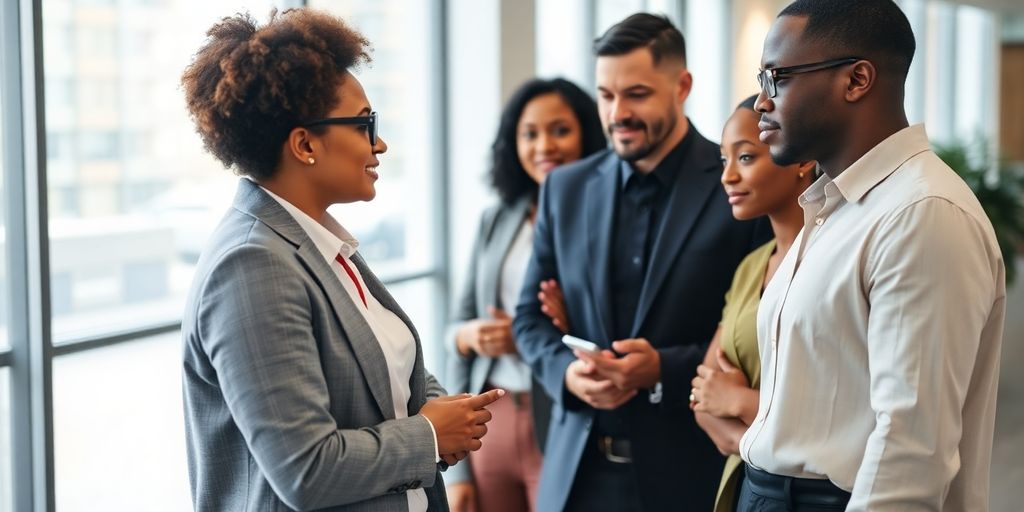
x=725, y=390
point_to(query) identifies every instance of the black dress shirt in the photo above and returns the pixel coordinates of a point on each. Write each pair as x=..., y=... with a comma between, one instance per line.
x=639, y=213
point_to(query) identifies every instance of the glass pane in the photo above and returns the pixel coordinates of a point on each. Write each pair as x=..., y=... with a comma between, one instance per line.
x=977, y=79
x=566, y=47
x=118, y=428
x=610, y=12
x=6, y=492
x=132, y=194
x=4, y=292
x=394, y=230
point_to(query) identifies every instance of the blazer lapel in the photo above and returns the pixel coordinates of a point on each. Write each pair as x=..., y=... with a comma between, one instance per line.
x=695, y=184
x=417, y=383
x=252, y=200
x=502, y=233
x=600, y=198
x=364, y=343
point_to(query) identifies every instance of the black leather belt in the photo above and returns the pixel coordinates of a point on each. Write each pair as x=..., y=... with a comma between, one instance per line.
x=616, y=450
x=794, y=491
x=522, y=399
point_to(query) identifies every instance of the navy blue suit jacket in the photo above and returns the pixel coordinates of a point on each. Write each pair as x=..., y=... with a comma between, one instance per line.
x=694, y=255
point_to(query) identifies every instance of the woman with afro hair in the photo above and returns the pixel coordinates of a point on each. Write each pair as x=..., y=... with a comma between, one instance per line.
x=304, y=385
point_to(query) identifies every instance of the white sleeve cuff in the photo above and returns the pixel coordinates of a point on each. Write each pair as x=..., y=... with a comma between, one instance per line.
x=433, y=435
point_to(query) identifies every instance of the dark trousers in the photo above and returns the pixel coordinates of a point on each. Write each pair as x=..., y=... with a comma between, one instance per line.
x=603, y=485
x=765, y=492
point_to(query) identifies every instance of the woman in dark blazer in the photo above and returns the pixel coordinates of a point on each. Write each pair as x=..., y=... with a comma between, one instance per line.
x=303, y=380
x=546, y=123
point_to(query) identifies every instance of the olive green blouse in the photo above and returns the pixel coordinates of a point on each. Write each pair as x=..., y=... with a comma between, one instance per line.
x=738, y=340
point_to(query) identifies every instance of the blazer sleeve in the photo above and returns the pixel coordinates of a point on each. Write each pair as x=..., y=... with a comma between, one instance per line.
x=255, y=324
x=537, y=339
x=679, y=363
x=433, y=388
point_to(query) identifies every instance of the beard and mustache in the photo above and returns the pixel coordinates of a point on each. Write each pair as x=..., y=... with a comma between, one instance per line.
x=653, y=137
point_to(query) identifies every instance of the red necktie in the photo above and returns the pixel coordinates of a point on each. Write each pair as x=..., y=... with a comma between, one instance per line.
x=352, y=275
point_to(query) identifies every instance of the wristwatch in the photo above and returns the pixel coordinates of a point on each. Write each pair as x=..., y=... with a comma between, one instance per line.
x=654, y=394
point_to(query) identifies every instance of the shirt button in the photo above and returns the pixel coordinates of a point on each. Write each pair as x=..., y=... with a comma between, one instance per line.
x=819, y=221
x=636, y=260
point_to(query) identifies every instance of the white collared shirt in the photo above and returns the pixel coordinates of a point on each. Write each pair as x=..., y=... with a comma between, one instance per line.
x=880, y=336
x=395, y=338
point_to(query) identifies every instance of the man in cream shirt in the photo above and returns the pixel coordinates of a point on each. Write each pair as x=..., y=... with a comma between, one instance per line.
x=880, y=333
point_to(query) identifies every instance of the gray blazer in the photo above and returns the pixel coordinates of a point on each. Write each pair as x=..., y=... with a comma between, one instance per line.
x=286, y=389
x=468, y=374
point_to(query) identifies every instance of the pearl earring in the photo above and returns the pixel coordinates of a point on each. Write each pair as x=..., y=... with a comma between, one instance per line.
x=801, y=174
x=312, y=161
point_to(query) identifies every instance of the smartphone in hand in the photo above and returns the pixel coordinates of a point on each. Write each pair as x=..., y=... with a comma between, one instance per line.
x=581, y=344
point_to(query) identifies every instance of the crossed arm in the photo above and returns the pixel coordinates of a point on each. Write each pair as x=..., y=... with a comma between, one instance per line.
x=723, y=402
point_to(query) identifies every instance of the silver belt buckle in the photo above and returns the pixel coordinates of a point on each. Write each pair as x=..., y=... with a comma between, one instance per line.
x=606, y=444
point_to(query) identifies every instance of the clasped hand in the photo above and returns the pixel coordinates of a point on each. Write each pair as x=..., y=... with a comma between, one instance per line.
x=491, y=337
x=716, y=390
x=459, y=422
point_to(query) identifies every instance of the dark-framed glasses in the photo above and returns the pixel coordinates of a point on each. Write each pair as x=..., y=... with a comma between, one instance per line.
x=370, y=122
x=767, y=78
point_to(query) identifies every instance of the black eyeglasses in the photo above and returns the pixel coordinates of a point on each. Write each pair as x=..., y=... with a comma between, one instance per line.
x=766, y=78
x=370, y=122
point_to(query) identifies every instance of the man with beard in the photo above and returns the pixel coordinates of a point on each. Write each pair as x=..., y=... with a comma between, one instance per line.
x=880, y=332
x=642, y=240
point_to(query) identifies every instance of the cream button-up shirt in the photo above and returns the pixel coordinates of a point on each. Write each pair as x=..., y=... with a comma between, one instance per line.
x=880, y=336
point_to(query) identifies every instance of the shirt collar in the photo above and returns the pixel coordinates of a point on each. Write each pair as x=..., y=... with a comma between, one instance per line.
x=330, y=238
x=881, y=161
x=666, y=170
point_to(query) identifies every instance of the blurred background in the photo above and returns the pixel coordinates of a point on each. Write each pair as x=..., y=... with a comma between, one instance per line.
x=108, y=197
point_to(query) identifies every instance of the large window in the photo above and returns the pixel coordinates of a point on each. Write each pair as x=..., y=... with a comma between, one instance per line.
x=119, y=435
x=132, y=194
x=394, y=230
x=132, y=197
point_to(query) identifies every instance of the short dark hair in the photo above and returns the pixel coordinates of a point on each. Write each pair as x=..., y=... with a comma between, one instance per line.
x=249, y=86
x=507, y=175
x=643, y=30
x=870, y=29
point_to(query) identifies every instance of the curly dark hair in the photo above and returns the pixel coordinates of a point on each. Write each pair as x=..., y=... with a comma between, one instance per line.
x=249, y=86
x=507, y=175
